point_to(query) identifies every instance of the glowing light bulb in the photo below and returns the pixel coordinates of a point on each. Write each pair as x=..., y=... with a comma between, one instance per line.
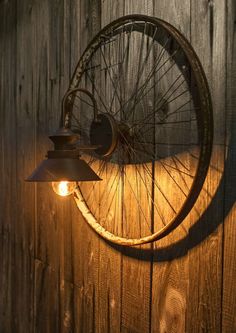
x=64, y=188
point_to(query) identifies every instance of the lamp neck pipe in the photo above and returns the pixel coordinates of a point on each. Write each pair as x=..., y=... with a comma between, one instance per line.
x=66, y=114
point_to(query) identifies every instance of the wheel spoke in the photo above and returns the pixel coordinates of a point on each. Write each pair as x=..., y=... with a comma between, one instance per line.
x=141, y=93
x=149, y=76
x=143, y=121
x=130, y=149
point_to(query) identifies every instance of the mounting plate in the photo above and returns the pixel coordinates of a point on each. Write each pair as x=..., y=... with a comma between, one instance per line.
x=104, y=133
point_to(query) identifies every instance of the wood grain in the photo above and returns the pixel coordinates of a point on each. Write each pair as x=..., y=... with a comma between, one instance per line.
x=170, y=275
x=85, y=243
x=49, y=251
x=61, y=76
x=109, y=276
x=205, y=260
x=136, y=272
x=8, y=165
x=26, y=143
x=229, y=264
x=56, y=274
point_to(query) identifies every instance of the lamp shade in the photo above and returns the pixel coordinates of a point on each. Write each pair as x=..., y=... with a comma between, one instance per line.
x=59, y=169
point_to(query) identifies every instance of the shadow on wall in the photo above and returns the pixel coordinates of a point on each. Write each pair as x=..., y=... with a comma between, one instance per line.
x=206, y=224
x=225, y=195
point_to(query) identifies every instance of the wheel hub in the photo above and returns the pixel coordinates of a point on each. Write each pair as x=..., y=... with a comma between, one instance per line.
x=104, y=133
x=107, y=132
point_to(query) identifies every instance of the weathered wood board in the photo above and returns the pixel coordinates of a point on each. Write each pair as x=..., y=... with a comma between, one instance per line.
x=56, y=274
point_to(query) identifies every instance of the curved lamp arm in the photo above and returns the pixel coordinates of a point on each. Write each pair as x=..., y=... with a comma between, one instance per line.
x=72, y=91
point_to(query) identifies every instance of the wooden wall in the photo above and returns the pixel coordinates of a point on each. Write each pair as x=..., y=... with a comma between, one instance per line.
x=56, y=274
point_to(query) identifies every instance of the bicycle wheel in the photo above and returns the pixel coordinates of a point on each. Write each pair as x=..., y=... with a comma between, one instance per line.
x=151, y=90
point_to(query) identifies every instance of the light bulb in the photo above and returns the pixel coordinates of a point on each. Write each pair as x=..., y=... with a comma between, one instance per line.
x=64, y=188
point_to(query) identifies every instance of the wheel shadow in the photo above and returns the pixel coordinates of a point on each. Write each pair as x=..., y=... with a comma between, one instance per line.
x=225, y=197
x=209, y=221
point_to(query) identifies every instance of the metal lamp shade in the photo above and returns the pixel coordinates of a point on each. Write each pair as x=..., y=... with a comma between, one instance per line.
x=60, y=169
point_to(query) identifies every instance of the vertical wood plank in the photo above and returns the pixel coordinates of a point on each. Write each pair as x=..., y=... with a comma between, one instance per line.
x=229, y=249
x=73, y=280
x=85, y=243
x=170, y=266
x=49, y=62
x=25, y=133
x=60, y=70
x=205, y=260
x=136, y=272
x=108, y=298
x=76, y=48
x=8, y=196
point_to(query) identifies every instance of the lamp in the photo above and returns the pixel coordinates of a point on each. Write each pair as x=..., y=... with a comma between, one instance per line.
x=63, y=166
